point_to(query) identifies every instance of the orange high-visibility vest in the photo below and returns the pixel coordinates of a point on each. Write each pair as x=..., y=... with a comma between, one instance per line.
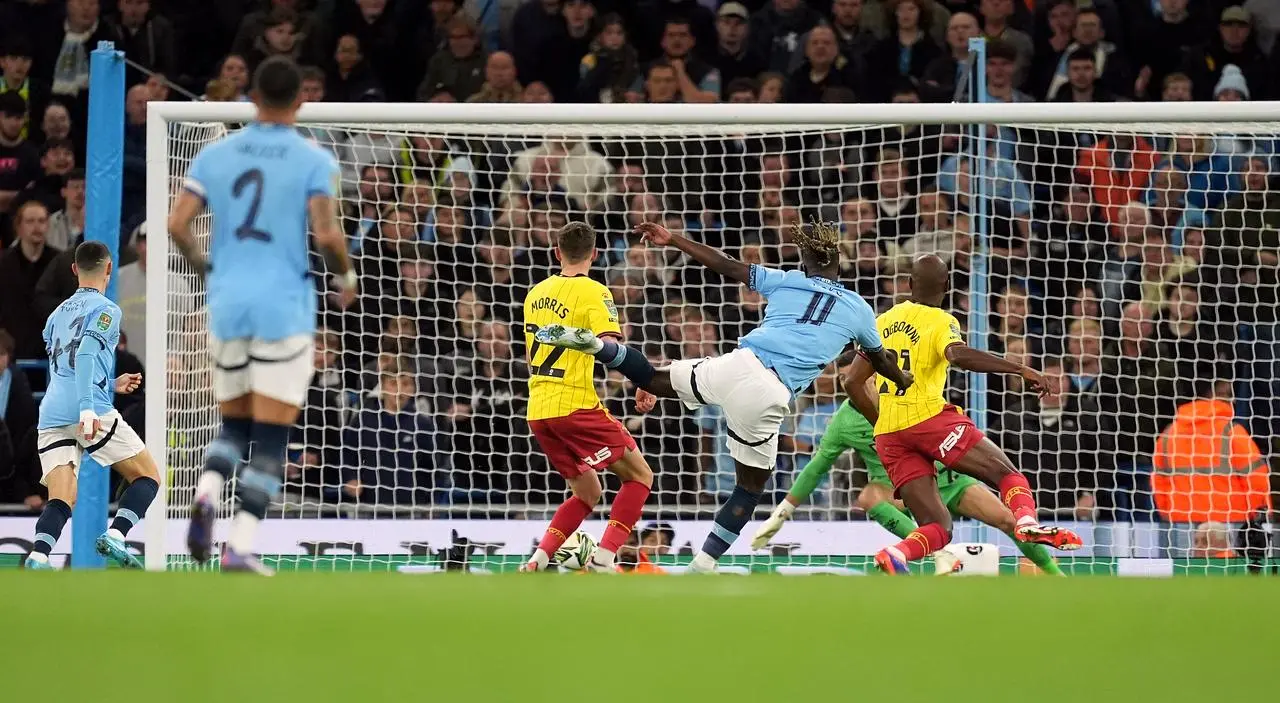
x=1207, y=467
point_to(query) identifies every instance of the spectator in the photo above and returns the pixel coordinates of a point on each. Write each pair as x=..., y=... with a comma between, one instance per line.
x=57, y=159
x=1189, y=336
x=1166, y=38
x=906, y=52
x=1110, y=65
x=394, y=54
x=653, y=16
x=540, y=26
x=697, y=81
x=20, y=268
x=1233, y=45
x=1055, y=440
x=777, y=28
x=19, y=415
x=565, y=57
x=1266, y=22
x=64, y=57
x=278, y=37
x=459, y=68
x=234, y=71
x=1207, y=467
x=1176, y=88
x=580, y=173
x=1082, y=81
x=823, y=68
x=147, y=39
x=1002, y=60
x=500, y=84
x=56, y=124
x=15, y=65
x=353, y=79
x=771, y=87
x=305, y=38
x=19, y=160
x=996, y=15
x=66, y=226
x=1118, y=169
x=736, y=56
x=612, y=66
x=1050, y=47
x=537, y=92
x=742, y=91
x=319, y=433
x=134, y=196
x=1084, y=354
x=938, y=82
x=391, y=458
x=852, y=31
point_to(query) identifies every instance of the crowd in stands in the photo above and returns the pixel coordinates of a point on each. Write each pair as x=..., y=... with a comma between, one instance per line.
x=1135, y=267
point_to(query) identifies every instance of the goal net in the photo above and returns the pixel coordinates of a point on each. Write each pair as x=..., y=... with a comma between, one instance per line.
x=1129, y=252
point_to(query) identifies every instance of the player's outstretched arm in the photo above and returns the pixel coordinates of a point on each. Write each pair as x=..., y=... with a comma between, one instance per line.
x=713, y=259
x=85, y=363
x=963, y=356
x=188, y=207
x=855, y=379
x=333, y=245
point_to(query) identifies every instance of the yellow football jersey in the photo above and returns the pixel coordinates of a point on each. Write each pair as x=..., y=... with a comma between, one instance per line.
x=919, y=336
x=562, y=381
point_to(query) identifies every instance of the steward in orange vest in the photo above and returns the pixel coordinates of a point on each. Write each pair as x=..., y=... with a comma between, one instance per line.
x=1207, y=467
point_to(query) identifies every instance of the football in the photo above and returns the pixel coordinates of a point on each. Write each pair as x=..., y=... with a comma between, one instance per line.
x=575, y=551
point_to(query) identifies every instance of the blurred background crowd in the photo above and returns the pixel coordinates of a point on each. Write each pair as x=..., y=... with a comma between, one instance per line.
x=1138, y=267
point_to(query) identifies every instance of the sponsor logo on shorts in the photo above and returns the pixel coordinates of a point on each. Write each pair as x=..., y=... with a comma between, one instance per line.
x=599, y=457
x=951, y=440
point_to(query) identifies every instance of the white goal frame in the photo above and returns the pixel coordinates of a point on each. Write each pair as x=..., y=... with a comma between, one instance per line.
x=161, y=115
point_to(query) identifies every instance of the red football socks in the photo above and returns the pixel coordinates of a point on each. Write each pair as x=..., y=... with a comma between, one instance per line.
x=923, y=541
x=626, y=512
x=1015, y=492
x=568, y=517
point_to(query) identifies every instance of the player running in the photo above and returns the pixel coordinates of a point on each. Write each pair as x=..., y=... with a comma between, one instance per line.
x=963, y=495
x=809, y=319
x=574, y=430
x=916, y=427
x=76, y=414
x=261, y=185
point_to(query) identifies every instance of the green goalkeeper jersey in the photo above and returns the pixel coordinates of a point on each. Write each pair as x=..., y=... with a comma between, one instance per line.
x=847, y=430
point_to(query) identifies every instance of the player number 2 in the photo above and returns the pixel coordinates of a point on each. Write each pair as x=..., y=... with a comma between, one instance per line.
x=819, y=309
x=546, y=367
x=904, y=356
x=247, y=229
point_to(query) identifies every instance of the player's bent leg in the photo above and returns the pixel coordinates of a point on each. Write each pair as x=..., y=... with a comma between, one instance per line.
x=979, y=503
x=586, y=491
x=61, y=482
x=988, y=463
x=876, y=499
x=732, y=516
x=224, y=454
x=637, y=480
x=143, y=477
x=614, y=355
x=921, y=497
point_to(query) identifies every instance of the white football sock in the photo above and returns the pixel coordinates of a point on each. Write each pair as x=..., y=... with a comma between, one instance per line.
x=38, y=556
x=243, y=528
x=210, y=487
x=703, y=562
x=117, y=534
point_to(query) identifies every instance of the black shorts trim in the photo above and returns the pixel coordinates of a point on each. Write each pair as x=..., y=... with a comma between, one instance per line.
x=58, y=445
x=693, y=383
x=106, y=438
x=734, y=436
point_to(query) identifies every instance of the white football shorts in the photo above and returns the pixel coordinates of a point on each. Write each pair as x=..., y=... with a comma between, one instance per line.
x=115, y=442
x=280, y=369
x=752, y=398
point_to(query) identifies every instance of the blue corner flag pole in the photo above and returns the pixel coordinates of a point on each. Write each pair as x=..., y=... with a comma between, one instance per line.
x=103, y=172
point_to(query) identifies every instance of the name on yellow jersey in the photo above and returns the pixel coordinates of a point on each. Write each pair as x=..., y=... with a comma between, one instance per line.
x=903, y=327
x=551, y=305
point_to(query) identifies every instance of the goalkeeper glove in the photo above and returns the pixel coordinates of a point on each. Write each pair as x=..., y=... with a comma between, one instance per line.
x=780, y=514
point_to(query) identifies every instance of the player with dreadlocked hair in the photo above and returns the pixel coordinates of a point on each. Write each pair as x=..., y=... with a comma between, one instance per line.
x=809, y=318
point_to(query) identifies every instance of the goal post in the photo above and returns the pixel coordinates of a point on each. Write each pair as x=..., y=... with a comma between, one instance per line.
x=450, y=209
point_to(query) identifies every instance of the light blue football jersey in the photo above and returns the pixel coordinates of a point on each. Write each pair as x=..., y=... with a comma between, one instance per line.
x=86, y=323
x=807, y=323
x=257, y=183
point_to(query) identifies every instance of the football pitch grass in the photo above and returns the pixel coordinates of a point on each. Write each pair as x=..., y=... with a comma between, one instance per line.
x=121, y=636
